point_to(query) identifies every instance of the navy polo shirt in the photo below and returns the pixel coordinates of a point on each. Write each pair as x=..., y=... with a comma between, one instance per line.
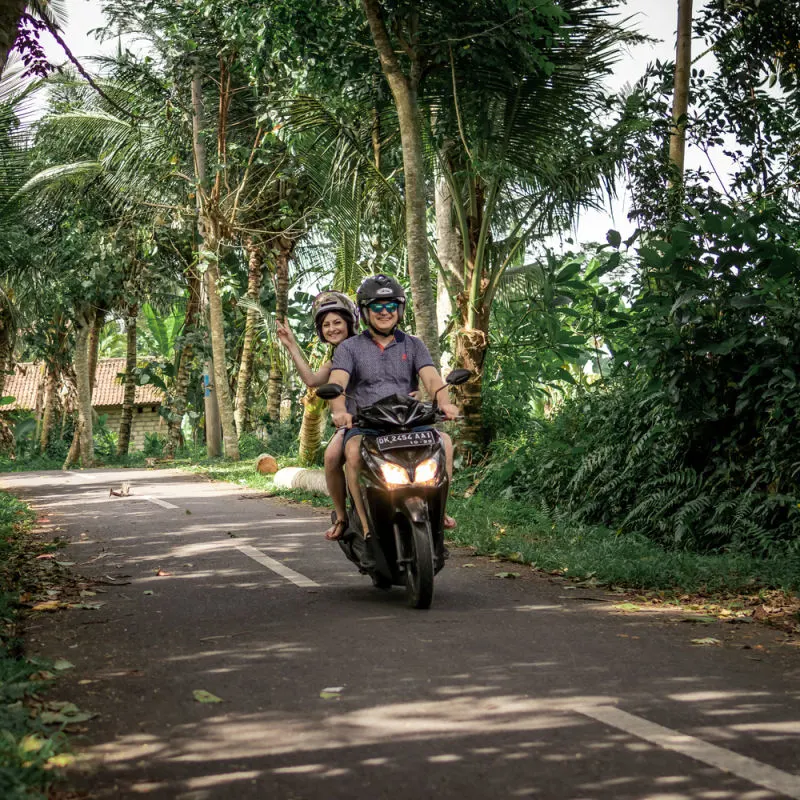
x=376, y=371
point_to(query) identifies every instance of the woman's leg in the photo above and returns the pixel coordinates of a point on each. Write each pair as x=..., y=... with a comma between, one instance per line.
x=449, y=522
x=337, y=488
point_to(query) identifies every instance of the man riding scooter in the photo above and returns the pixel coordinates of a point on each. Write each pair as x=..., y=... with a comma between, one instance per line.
x=381, y=361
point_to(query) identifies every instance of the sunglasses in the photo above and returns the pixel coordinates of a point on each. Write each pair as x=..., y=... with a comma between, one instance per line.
x=376, y=308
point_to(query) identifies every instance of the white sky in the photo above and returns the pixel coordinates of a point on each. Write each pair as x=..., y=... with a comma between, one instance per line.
x=655, y=18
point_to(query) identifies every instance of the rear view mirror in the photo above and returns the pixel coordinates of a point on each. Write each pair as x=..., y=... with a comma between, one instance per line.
x=329, y=391
x=458, y=376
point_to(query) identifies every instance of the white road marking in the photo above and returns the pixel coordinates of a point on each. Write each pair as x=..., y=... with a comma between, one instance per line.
x=80, y=477
x=158, y=501
x=270, y=563
x=742, y=766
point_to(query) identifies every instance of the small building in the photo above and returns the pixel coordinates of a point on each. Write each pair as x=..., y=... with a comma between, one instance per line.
x=26, y=386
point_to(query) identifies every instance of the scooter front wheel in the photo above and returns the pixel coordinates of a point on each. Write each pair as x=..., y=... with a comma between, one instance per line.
x=419, y=574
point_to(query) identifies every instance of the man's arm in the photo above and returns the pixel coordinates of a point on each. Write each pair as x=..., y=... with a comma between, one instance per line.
x=339, y=415
x=432, y=381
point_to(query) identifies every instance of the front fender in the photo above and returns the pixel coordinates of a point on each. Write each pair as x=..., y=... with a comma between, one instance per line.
x=416, y=508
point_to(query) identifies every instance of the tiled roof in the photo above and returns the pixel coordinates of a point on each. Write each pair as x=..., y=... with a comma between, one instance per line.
x=108, y=389
x=23, y=385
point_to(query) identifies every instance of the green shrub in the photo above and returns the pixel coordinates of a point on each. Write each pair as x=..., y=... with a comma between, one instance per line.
x=251, y=445
x=153, y=445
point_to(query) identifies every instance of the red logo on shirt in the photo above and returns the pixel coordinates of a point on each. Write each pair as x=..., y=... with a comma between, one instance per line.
x=405, y=357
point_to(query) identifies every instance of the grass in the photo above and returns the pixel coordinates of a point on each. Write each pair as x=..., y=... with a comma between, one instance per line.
x=521, y=533
x=30, y=753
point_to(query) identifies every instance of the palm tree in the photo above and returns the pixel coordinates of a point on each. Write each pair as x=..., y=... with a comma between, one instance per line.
x=521, y=154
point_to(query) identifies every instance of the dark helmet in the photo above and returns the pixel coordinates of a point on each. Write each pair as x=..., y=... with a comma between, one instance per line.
x=326, y=302
x=381, y=287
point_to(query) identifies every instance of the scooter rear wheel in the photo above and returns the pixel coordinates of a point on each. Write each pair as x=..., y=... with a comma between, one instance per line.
x=419, y=575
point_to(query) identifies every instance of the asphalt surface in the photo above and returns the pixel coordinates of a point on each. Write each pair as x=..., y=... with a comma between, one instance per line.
x=505, y=688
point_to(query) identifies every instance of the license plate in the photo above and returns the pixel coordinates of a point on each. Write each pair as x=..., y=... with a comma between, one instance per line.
x=394, y=441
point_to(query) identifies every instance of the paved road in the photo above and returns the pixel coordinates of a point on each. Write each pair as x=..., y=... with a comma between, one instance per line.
x=504, y=689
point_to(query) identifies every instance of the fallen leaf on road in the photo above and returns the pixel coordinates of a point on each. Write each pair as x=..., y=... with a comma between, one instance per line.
x=61, y=664
x=163, y=573
x=626, y=607
x=702, y=620
x=187, y=511
x=62, y=712
x=47, y=605
x=467, y=566
x=65, y=563
x=331, y=692
x=147, y=591
x=707, y=641
x=56, y=717
x=45, y=556
x=202, y=696
x=506, y=574
x=87, y=606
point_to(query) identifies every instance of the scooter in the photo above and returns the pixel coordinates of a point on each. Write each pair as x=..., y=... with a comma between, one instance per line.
x=403, y=484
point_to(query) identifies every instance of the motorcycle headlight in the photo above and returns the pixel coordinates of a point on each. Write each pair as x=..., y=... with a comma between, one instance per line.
x=426, y=471
x=394, y=474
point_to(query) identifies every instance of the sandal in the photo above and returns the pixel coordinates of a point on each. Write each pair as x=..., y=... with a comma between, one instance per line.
x=336, y=531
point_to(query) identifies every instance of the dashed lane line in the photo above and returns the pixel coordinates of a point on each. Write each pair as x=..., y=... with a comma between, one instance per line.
x=157, y=500
x=742, y=766
x=270, y=563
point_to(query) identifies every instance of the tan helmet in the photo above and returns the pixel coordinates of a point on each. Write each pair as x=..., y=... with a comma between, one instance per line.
x=341, y=304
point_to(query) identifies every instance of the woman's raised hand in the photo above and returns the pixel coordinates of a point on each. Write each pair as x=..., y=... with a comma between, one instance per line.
x=284, y=333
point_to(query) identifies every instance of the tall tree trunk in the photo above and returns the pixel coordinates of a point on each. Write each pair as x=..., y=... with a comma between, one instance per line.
x=94, y=343
x=450, y=253
x=8, y=337
x=10, y=14
x=84, y=325
x=314, y=410
x=282, y=254
x=472, y=339
x=184, y=359
x=93, y=346
x=213, y=441
x=129, y=395
x=53, y=382
x=274, y=386
x=680, y=104
x=50, y=403
x=404, y=91
x=256, y=265
x=221, y=386
x=470, y=353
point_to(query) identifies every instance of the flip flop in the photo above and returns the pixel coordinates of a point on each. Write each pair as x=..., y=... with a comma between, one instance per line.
x=336, y=530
